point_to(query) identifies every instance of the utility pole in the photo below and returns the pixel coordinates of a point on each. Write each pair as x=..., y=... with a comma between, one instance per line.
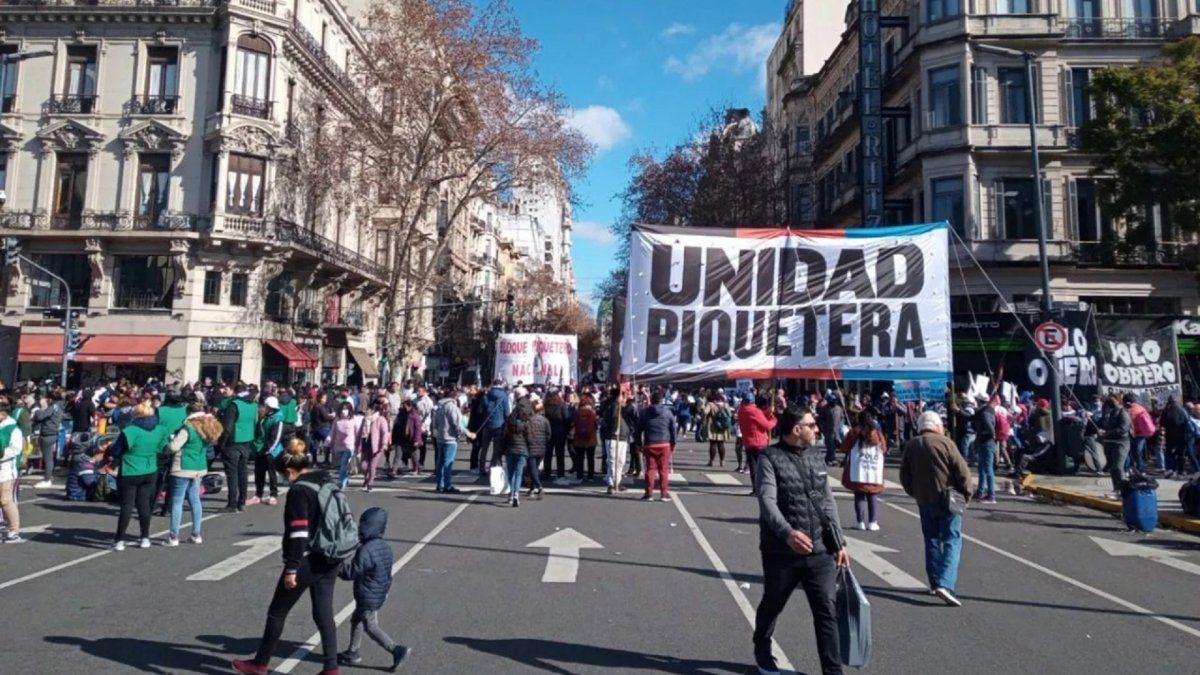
x=12, y=256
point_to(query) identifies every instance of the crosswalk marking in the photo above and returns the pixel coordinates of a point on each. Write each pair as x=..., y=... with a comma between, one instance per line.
x=677, y=478
x=722, y=479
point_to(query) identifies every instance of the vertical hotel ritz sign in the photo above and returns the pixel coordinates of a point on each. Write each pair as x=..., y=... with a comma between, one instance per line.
x=870, y=112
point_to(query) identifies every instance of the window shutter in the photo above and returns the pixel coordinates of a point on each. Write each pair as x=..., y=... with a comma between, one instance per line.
x=1048, y=210
x=1072, y=209
x=1069, y=115
x=998, y=196
x=1038, y=98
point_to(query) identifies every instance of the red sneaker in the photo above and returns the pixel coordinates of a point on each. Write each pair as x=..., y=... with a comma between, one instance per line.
x=248, y=667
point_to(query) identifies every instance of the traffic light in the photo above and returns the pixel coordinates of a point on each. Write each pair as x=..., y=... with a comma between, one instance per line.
x=12, y=251
x=74, y=339
x=508, y=304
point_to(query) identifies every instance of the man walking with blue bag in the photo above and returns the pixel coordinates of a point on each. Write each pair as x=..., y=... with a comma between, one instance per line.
x=799, y=537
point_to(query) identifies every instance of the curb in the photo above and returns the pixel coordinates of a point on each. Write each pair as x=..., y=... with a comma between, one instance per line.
x=1173, y=521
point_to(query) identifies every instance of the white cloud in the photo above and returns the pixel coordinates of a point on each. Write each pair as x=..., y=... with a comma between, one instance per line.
x=676, y=29
x=738, y=48
x=601, y=125
x=593, y=231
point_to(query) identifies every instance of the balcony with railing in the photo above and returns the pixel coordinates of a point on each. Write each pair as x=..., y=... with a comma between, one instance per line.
x=104, y=221
x=1125, y=254
x=152, y=104
x=71, y=104
x=303, y=239
x=141, y=299
x=264, y=6
x=312, y=46
x=1108, y=28
x=250, y=106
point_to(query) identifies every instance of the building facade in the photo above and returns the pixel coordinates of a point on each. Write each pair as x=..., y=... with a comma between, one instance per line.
x=152, y=158
x=957, y=148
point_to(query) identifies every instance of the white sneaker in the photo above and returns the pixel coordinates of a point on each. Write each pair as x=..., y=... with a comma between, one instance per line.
x=41, y=485
x=171, y=540
x=947, y=597
x=874, y=527
x=119, y=546
x=145, y=543
x=861, y=526
x=196, y=539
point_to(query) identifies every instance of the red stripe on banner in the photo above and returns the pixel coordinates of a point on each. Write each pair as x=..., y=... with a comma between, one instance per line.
x=772, y=232
x=799, y=373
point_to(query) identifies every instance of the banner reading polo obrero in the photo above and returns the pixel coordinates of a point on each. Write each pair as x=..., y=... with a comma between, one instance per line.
x=858, y=304
x=537, y=358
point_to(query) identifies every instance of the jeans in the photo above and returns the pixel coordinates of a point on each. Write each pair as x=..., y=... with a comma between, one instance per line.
x=515, y=464
x=343, y=457
x=752, y=457
x=942, y=531
x=369, y=619
x=139, y=491
x=535, y=476
x=190, y=488
x=658, y=465
x=447, y=452
x=615, y=453
x=236, y=458
x=817, y=575
x=866, y=507
x=987, y=468
x=1137, y=455
x=317, y=576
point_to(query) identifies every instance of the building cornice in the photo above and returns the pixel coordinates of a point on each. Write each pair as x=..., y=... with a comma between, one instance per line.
x=110, y=11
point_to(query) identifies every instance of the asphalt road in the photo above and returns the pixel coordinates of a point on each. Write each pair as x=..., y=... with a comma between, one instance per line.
x=671, y=591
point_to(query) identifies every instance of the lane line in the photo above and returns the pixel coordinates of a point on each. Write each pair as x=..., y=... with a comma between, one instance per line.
x=93, y=556
x=739, y=597
x=314, y=641
x=722, y=479
x=1066, y=579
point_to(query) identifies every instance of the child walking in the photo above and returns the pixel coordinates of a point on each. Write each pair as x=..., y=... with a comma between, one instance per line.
x=371, y=571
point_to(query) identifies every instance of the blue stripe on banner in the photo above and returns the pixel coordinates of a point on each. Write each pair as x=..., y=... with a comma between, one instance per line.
x=895, y=375
x=894, y=230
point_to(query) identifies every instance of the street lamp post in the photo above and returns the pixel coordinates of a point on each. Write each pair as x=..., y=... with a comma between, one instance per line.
x=1047, y=300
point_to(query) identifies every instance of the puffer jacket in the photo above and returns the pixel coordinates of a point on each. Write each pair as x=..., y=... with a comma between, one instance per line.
x=537, y=435
x=496, y=408
x=46, y=421
x=515, y=436
x=371, y=567
x=657, y=425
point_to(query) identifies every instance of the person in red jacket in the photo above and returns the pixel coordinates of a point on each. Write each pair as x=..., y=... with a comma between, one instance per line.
x=755, y=422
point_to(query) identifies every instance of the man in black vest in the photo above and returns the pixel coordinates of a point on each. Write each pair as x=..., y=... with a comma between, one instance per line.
x=799, y=537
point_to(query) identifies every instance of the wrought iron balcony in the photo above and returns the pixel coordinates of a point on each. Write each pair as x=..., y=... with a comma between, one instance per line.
x=1123, y=254
x=127, y=297
x=153, y=105
x=309, y=317
x=1119, y=29
x=302, y=238
x=71, y=104
x=251, y=107
x=318, y=53
x=265, y=6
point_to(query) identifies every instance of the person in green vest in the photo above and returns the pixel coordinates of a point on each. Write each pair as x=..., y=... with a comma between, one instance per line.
x=12, y=445
x=171, y=415
x=289, y=408
x=136, y=452
x=268, y=440
x=189, y=462
x=239, y=420
x=24, y=418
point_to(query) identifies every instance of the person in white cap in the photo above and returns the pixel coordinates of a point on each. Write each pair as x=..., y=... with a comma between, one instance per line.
x=268, y=434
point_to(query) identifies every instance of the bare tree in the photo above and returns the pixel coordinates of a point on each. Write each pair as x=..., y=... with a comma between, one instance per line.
x=464, y=121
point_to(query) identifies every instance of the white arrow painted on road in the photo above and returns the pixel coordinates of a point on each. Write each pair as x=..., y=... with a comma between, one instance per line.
x=256, y=549
x=867, y=554
x=1123, y=549
x=563, y=564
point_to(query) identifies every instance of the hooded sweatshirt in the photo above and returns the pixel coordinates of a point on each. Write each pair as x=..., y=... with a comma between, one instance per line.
x=371, y=567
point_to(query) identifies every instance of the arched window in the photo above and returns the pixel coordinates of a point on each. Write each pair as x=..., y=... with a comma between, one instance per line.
x=252, y=79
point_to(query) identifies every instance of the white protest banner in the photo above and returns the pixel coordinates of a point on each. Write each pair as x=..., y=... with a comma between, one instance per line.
x=537, y=358
x=859, y=304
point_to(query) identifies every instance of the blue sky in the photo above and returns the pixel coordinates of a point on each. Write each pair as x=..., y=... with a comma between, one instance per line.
x=639, y=74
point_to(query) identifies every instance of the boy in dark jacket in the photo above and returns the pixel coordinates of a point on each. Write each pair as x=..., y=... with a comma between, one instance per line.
x=371, y=571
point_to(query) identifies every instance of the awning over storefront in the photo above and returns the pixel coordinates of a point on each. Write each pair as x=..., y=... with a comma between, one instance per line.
x=43, y=348
x=366, y=364
x=297, y=358
x=122, y=348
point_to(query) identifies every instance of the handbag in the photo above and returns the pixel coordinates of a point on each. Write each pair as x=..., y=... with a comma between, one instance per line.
x=854, y=621
x=953, y=502
x=498, y=480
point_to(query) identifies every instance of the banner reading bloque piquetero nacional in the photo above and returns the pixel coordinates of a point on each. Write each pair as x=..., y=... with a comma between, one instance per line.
x=537, y=358
x=857, y=304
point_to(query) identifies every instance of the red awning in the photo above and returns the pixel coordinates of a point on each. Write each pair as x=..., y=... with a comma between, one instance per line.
x=122, y=348
x=297, y=358
x=40, y=348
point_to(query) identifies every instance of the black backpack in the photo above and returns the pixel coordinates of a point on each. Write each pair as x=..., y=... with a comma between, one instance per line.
x=1189, y=497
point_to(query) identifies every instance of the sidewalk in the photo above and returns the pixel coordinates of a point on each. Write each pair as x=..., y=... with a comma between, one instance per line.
x=1093, y=492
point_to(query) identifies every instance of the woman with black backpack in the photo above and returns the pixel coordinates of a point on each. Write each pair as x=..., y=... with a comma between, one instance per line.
x=718, y=419
x=304, y=569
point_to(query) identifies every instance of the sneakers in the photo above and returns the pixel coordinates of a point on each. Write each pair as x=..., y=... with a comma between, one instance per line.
x=399, y=654
x=765, y=661
x=665, y=498
x=647, y=498
x=13, y=538
x=172, y=540
x=349, y=658
x=228, y=509
x=118, y=546
x=990, y=499
x=947, y=597
x=144, y=543
x=42, y=485
x=874, y=527
x=196, y=539
x=861, y=526
x=271, y=501
x=248, y=667
x=252, y=501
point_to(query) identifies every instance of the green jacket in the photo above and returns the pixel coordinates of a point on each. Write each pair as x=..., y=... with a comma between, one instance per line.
x=141, y=449
x=193, y=456
x=268, y=431
x=247, y=418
